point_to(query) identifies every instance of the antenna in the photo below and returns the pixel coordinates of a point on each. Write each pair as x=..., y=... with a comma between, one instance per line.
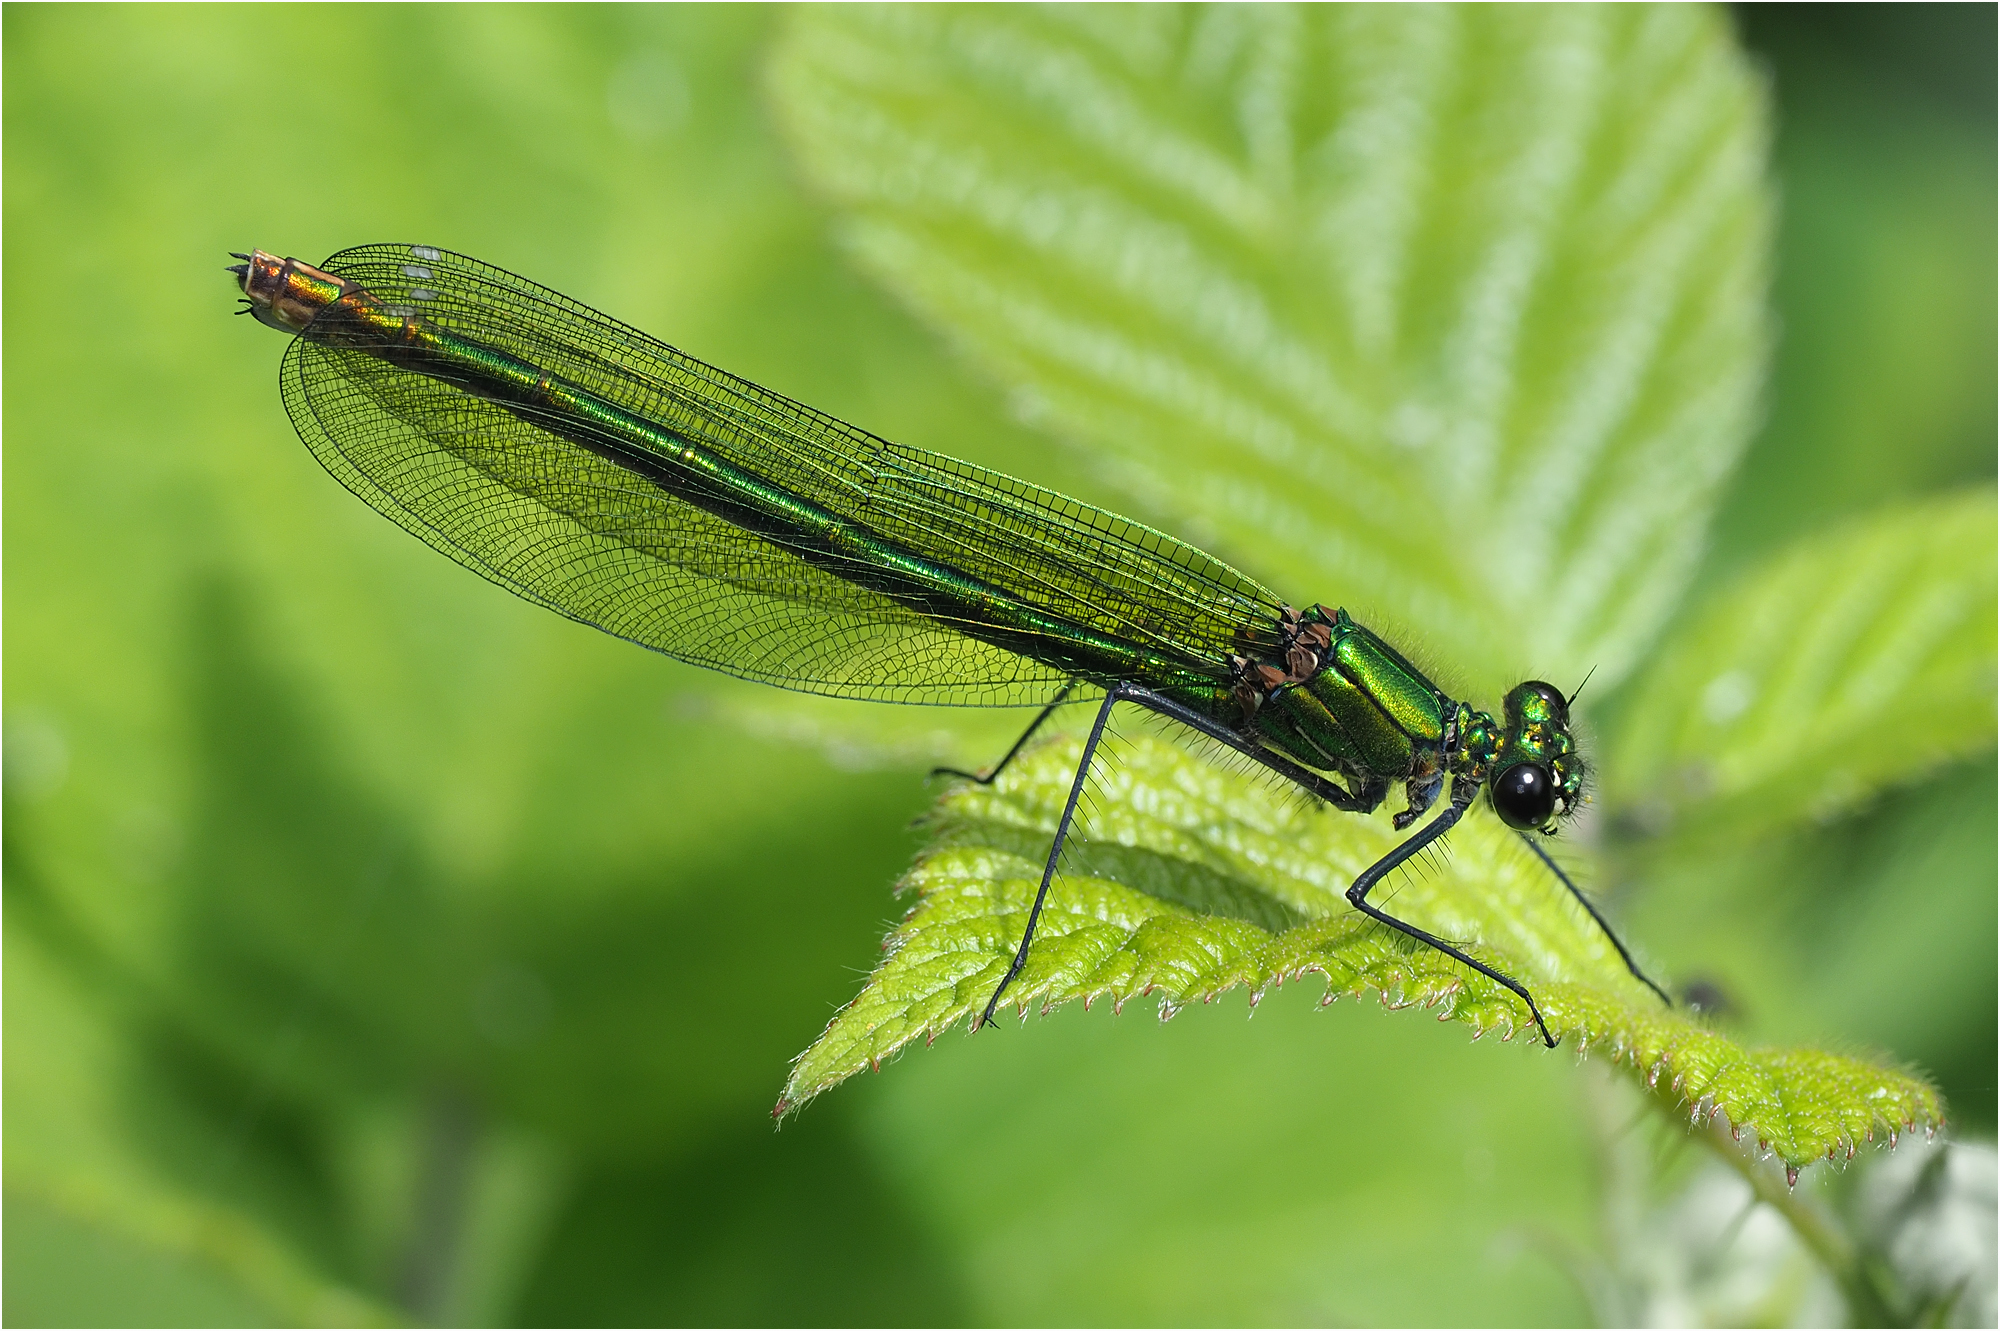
x=1571, y=701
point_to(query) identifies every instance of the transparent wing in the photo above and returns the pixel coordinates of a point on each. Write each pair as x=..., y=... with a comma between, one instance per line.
x=567, y=529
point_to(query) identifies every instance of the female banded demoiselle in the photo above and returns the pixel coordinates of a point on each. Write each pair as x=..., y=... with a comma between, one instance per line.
x=594, y=470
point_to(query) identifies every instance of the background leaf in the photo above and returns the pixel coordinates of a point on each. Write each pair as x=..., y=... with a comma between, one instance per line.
x=1856, y=659
x=375, y=872
x=1451, y=313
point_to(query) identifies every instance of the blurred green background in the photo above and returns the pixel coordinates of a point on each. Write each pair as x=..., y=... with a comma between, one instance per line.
x=378, y=945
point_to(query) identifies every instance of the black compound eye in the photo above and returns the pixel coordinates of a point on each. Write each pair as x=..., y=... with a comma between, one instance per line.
x=1524, y=796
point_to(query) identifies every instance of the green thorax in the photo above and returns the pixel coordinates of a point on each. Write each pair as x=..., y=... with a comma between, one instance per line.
x=1340, y=699
x=1344, y=700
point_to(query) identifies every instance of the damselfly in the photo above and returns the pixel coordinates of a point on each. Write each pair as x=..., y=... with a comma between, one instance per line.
x=601, y=473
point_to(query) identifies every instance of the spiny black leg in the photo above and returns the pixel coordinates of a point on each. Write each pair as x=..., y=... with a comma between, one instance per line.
x=1357, y=895
x=1026, y=735
x=1055, y=852
x=1362, y=801
x=1602, y=923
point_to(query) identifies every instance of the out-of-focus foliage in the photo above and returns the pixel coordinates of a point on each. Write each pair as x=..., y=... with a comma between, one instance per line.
x=1918, y=1224
x=1859, y=658
x=1882, y=386
x=1454, y=313
x=1927, y=1220
x=377, y=945
x=364, y=924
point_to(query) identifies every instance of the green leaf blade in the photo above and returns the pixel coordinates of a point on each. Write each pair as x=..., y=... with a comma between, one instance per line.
x=1449, y=311
x=1195, y=881
x=1847, y=662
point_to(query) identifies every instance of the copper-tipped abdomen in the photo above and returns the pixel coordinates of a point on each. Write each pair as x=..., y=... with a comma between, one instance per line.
x=286, y=294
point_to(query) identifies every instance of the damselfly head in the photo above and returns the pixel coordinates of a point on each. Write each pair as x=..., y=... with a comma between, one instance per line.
x=1537, y=775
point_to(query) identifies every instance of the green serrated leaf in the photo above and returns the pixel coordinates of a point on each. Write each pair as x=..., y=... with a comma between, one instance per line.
x=1195, y=880
x=1450, y=314
x=1849, y=661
